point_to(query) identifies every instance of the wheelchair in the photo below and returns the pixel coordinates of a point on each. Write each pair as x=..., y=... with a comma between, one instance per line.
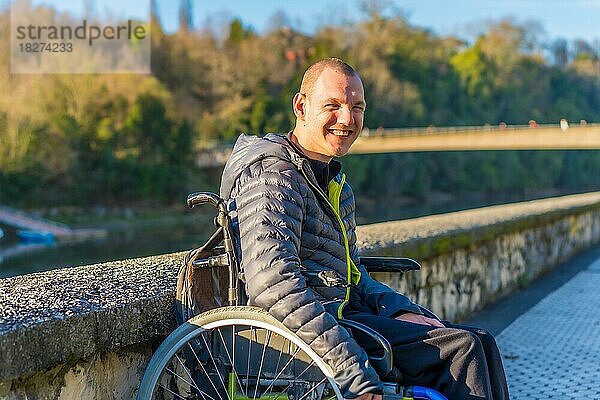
x=224, y=350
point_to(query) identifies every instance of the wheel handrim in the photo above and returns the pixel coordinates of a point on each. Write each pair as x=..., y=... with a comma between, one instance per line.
x=273, y=356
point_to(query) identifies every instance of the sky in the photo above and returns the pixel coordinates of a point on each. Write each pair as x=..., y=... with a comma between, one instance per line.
x=569, y=19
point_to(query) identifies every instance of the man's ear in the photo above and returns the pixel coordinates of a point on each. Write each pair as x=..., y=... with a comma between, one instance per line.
x=299, y=105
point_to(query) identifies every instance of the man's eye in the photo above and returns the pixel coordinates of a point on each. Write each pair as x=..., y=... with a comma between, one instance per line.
x=359, y=109
x=332, y=106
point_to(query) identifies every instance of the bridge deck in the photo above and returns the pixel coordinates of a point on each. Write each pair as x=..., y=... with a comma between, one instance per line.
x=543, y=138
x=553, y=349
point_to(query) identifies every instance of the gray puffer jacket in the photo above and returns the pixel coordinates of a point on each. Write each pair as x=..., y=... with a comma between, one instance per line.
x=288, y=228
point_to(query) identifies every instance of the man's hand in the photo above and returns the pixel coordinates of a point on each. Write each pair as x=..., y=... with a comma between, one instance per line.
x=419, y=319
x=369, y=396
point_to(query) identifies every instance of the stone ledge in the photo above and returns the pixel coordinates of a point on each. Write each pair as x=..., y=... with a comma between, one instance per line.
x=426, y=237
x=68, y=314
x=61, y=316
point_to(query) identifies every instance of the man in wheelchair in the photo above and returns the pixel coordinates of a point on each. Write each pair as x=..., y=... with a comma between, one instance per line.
x=294, y=214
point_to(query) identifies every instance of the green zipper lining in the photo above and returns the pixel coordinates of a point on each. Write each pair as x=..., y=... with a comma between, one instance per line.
x=351, y=267
x=336, y=189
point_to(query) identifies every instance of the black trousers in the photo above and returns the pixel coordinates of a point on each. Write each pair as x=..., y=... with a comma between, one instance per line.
x=459, y=361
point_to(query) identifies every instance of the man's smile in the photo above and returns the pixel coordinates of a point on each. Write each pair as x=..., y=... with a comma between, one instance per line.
x=340, y=132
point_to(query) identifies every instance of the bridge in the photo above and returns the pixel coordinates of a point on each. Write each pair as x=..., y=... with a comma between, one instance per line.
x=88, y=332
x=540, y=137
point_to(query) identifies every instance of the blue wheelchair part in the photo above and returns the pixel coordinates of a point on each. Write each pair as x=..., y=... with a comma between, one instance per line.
x=422, y=392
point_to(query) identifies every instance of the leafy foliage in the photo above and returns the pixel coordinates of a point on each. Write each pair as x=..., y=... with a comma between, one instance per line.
x=115, y=138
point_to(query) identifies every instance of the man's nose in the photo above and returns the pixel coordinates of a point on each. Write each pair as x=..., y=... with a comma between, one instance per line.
x=345, y=116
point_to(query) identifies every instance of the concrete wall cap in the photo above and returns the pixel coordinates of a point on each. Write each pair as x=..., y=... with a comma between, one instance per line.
x=409, y=233
x=50, y=317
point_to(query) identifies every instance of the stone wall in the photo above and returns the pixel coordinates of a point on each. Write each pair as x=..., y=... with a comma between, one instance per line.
x=471, y=258
x=88, y=332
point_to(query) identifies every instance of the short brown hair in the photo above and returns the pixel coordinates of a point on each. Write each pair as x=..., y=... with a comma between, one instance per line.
x=314, y=71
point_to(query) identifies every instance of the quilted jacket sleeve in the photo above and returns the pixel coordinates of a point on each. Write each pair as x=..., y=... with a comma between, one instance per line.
x=380, y=298
x=270, y=211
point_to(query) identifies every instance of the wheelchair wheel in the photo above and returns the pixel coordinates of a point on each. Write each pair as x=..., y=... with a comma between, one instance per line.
x=236, y=353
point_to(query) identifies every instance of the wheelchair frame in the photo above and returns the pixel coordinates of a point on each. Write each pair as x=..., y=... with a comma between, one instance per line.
x=185, y=360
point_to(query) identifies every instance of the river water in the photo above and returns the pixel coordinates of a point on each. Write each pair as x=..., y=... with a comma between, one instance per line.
x=191, y=232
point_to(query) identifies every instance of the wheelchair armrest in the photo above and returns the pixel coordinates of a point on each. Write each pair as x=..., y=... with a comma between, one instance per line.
x=389, y=264
x=384, y=364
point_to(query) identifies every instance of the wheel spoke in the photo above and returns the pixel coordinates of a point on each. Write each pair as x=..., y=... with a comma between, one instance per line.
x=216, y=368
x=270, y=387
x=170, y=391
x=252, y=333
x=313, y=389
x=193, y=383
x=201, y=364
x=296, y=377
x=305, y=369
x=280, y=354
x=283, y=369
x=229, y=357
x=262, y=360
x=202, y=393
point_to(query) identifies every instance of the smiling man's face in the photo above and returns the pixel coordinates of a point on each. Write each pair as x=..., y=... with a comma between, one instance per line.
x=332, y=115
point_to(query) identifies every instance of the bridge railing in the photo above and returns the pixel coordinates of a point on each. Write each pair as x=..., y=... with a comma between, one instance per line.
x=434, y=130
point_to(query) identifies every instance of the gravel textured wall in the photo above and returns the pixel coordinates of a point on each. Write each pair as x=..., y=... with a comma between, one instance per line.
x=88, y=332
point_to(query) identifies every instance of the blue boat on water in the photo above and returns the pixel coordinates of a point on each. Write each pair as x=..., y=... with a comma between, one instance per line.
x=1, y=233
x=36, y=237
